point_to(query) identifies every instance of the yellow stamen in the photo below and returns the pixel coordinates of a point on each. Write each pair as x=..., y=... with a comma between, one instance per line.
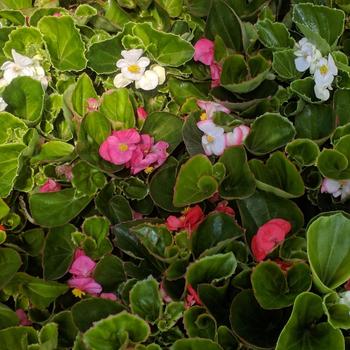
x=123, y=147
x=149, y=169
x=210, y=138
x=78, y=293
x=324, y=69
x=185, y=211
x=134, y=68
x=204, y=116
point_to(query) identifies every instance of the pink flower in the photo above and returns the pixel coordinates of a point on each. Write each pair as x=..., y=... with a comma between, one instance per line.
x=164, y=294
x=215, y=71
x=174, y=223
x=268, y=237
x=192, y=297
x=23, y=318
x=82, y=266
x=65, y=170
x=83, y=285
x=141, y=113
x=204, y=51
x=50, y=186
x=110, y=296
x=136, y=215
x=224, y=208
x=210, y=108
x=189, y=221
x=93, y=104
x=118, y=148
x=57, y=14
x=284, y=265
x=347, y=285
x=237, y=136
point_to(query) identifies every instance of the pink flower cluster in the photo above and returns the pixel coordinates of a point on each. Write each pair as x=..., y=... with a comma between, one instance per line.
x=204, y=53
x=135, y=151
x=82, y=281
x=268, y=237
x=50, y=186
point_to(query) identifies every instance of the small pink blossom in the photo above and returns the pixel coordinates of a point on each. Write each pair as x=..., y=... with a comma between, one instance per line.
x=50, y=186
x=215, y=72
x=268, y=237
x=93, y=104
x=204, y=51
x=189, y=221
x=210, y=108
x=85, y=285
x=224, y=208
x=141, y=113
x=57, y=14
x=237, y=136
x=110, y=296
x=82, y=266
x=164, y=294
x=136, y=215
x=192, y=297
x=118, y=148
x=65, y=170
x=337, y=188
x=23, y=318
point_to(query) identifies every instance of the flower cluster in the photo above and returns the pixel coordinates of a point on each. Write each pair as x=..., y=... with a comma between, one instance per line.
x=133, y=150
x=82, y=281
x=215, y=140
x=204, y=53
x=323, y=69
x=268, y=237
x=133, y=69
x=22, y=66
x=337, y=188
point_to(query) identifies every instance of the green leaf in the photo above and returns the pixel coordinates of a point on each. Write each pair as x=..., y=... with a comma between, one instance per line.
x=215, y=228
x=116, y=14
x=337, y=313
x=12, y=128
x=297, y=334
x=327, y=242
x=341, y=98
x=283, y=64
x=115, y=332
x=195, y=344
x=16, y=4
x=322, y=25
x=87, y=311
x=304, y=88
x=8, y=317
x=276, y=289
x=63, y=42
x=10, y=262
x=210, y=269
x=173, y=7
x=263, y=206
x=53, y=151
x=223, y=21
x=58, y=252
x=145, y=299
x=118, y=109
x=261, y=140
x=239, y=181
x=109, y=272
x=165, y=48
x=164, y=126
x=189, y=187
x=274, y=35
x=4, y=209
x=56, y=208
x=103, y=55
x=278, y=175
x=239, y=76
x=192, y=136
x=303, y=151
x=17, y=337
x=198, y=323
x=48, y=336
x=83, y=90
x=25, y=99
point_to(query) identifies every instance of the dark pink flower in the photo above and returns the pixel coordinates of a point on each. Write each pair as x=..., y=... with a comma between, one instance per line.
x=82, y=266
x=110, y=296
x=50, y=186
x=192, y=297
x=23, y=318
x=204, y=51
x=174, y=223
x=284, y=265
x=215, y=71
x=118, y=148
x=189, y=221
x=83, y=285
x=268, y=237
x=224, y=208
x=141, y=113
x=92, y=104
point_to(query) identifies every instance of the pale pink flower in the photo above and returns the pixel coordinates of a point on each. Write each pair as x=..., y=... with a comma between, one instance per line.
x=213, y=140
x=93, y=104
x=141, y=113
x=118, y=148
x=110, y=296
x=164, y=294
x=204, y=51
x=57, y=14
x=237, y=136
x=337, y=188
x=50, y=186
x=210, y=108
x=65, y=170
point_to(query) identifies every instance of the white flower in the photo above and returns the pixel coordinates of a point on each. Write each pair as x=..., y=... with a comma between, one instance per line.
x=133, y=65
x=325, y=72
x=120, y=81
x=213, y=140
x=321, y=92
x=344, y=298
x=307, y=56
x=22, y=66
x=151, y=78
x=336, y=188
x=3, y=104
